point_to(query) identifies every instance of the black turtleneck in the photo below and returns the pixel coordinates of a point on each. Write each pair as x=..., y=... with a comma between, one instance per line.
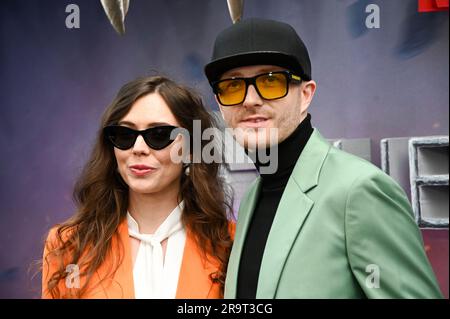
x=272, y=188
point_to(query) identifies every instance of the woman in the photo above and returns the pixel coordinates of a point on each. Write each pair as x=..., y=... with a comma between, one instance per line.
x=146, y=226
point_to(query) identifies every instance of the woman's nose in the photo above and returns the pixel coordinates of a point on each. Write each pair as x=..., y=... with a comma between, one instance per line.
x=140, y=147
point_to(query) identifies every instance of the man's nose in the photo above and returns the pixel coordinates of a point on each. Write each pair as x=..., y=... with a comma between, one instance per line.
x=252, y=98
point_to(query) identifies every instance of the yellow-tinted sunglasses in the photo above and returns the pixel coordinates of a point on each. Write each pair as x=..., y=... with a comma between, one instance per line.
x=270, y=86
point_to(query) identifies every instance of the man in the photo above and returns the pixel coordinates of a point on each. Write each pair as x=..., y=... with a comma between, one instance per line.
x=326, y=224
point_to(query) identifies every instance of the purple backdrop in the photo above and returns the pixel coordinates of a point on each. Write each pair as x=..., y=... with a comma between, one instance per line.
x=56, y=82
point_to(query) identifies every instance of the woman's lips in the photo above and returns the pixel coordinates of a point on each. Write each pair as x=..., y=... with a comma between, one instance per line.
x=141, y=170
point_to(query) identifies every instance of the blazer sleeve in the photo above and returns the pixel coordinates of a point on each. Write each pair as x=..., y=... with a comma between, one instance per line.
x=50, y=264
x=384, y=244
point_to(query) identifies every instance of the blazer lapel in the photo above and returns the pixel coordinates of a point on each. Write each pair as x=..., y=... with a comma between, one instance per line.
x=120, y=285
x=124, y=276
x=244, y=217
x=194, y=281
x=292, y=211
x=291, y=214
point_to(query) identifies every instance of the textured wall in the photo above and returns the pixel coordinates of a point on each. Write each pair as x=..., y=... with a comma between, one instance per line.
x=56, y=82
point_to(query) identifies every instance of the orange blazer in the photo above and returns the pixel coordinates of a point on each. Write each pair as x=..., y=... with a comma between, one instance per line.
x=193, y=282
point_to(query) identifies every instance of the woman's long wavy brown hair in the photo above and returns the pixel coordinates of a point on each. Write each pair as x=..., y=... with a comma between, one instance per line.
x=101, y=196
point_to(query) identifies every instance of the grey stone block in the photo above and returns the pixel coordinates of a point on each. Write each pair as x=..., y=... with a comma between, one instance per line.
x=395, y=160
x=356, y=146
x=429, y=177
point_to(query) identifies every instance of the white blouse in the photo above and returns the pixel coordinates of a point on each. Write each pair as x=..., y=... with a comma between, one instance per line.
x=156, y=277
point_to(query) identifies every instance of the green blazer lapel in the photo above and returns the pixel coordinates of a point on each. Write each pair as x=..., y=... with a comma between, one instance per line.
x=244, y=216
x=292, y=212
x=307, y=170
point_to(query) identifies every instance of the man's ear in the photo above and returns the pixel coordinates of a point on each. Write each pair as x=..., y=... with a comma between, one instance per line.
x=307, y=91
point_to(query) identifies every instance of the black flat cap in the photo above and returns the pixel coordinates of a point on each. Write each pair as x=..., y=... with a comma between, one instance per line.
x=258, y=41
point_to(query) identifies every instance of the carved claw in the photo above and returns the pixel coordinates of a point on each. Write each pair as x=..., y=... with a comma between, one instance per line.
x=236, y=7
x=116, y=10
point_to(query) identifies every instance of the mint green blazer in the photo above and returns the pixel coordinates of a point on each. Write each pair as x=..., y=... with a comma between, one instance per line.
x=343, y=229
